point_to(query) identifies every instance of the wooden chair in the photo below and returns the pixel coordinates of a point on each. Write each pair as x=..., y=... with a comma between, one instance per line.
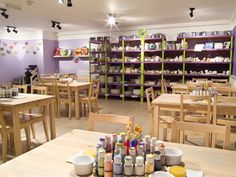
x=40, y=116
x=64, y=96
x=50, y=84
x=178, y=126
x=224, y=116
x=221, y=81
x=109, y=118
x=92, y=96
x=165, y=121
x=199, y=79
x=196, y=109
x=191, y=87
x=21, y=88
x=225, y=90
x=164, y=86
x=83, y=78
x=6, y=129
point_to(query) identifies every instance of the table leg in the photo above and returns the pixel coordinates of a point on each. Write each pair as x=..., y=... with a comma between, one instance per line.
x=52, y=118
x=156, y=115
x=17, y=132
x=77, y=107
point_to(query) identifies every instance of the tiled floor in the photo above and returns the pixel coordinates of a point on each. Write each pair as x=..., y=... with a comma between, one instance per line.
x=63, y=125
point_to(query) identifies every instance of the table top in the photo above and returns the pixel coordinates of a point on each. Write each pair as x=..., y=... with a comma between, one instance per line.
x=23, y=98
x=72, y=84
x=49, y=159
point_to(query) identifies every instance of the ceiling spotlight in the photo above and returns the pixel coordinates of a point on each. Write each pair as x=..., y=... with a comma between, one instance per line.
x=111, y=20
x=191, y=12
x=69, y=3
x=13, y=29
x=56, y=24
x=8, y=30
x=3, y=13
x=60, y=1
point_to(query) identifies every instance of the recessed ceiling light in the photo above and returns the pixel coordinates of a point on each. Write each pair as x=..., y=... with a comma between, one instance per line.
x=111, y=20
x=60, y=1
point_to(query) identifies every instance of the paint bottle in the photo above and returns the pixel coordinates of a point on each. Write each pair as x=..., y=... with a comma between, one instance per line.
x=153, y=144
x=114, y=141
x=140, y=150
x=122, y=153
x=139, y=166
x=161, y=148
x=157, y=160
x=108, y=165
x=98, y=146
x=117, y=165
x=132, y=153
x=108, y=143
x=128, y=166
x=149, y=164
x=101, y=155
x=147, y=143
x=102, y=140
x=122, y=136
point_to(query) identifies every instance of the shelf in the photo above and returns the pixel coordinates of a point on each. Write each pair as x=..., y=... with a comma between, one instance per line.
x=114, y=73
x=155, y=86
x=96, y=52
x=95, y=62
x=152, y=51
x=136, y=74
x=147, y=62
x=113, y=83
x=133, y=96
x=174, y=50
x=101, y=73
x=204, y=75
x=132, y=40
x=153, y=39
x=132, y=85
x=208, y=63
x=207, y=50
x=98, y=42
x=149, y=74
x=138, y=62
x=209, y=37
x=132, y=51
x=174, y=75
x=169, y=62
x=115, y=51
x=113, y=94
x=114, y=62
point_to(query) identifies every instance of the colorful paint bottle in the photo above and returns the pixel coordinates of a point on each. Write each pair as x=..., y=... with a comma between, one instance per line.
x=117, y=165
x=108, y=165
x=149, y=164
x=123, y=154
x=147, y=144
x=153, y=144
x=139, y=166
x=101, y=155
x=161, y=148
x=122, y=136
x=128, y=166
x=114, y=141
x=157, y=160
x=132, y=153
x=96, y=159
x=108, y=143
x=140, y=151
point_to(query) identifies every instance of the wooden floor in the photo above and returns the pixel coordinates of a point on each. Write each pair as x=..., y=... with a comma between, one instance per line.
x=63, y=125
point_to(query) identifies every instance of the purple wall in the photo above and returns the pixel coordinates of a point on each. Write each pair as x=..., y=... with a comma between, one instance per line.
x=69, y=66
x=51, y=65
x=234, y=51
x=15, y=56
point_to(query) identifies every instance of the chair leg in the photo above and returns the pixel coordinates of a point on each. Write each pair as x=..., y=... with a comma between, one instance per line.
x=69, y=107
x=89, y=106
x=32, y=130
x=4, y=147
x=27, y=133
x=97, y=107
x=11, y=140
x=164, y=131
x=58, y=109
x=45, y=127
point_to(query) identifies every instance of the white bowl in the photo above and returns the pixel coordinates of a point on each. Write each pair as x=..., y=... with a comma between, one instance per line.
x=173, y=156
x=83, y=164
x=161, y=174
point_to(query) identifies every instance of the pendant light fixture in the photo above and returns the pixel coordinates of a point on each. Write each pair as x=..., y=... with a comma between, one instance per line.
x=69, y=3
x=3, y=13
x=56, y=24
x=13, y=29
x=191, y=13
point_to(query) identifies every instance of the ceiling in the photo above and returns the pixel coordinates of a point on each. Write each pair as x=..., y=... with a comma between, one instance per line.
x=92, y=14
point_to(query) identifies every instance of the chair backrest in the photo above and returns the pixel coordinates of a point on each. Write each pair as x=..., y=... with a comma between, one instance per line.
x=164, y=86
x=178, y=126
x=109, y=118
x=199, y=79
x=50, y=84
x=221, y=81
x=82, y=78
x=42, y=90
x=195, y=104
x=63, y=89
x=191, y=86
x=94, y=88
x=150, y=97
x=21, y=88
x=225, y=90
x=228, y=108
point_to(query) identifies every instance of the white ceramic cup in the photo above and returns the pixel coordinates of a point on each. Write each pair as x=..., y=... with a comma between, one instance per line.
x=83, y=164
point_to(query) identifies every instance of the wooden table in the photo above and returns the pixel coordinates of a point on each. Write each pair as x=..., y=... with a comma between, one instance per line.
x=25, y=102
x=49, y=160
x=75, y=87
x=171, y=102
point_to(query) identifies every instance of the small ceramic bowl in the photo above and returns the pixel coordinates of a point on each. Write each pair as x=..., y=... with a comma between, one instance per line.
x=161, y=174
x=173, y=156
x=83, y=164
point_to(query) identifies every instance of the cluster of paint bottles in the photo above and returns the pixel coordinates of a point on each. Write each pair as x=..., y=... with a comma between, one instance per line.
x=129, y=158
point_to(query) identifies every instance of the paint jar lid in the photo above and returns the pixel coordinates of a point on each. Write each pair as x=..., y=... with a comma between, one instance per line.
x=108, y=157
x=117, y=159
x=157, y=155
x=153, y=140
x=177, y=171
x=149, y=158
x=132, y=151
x=128, y=160
x=139, y=160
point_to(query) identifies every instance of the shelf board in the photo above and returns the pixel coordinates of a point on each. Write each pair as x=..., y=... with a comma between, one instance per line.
x=147, y=62
x=169, y=62
x=62, y=56
x=113, y=94
x=207, y=50
x=138, y=62
x=174, y=50
x=206, y=75
x=95, y=52
x=114, y=73
x=209, y=37
x=132, y=96
x=98, y=42
x=118, y=84
x=207, y=63
x=152, y=51
x=156, y=86
x=175, y=75
x=132, y=51
x=115, y=51
x=132, y=74
x=132, y=85
x=132, y=40
x=149, y=74
x=153, y=39
x=111, y=62
x=101, y=73
x=95, y=62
